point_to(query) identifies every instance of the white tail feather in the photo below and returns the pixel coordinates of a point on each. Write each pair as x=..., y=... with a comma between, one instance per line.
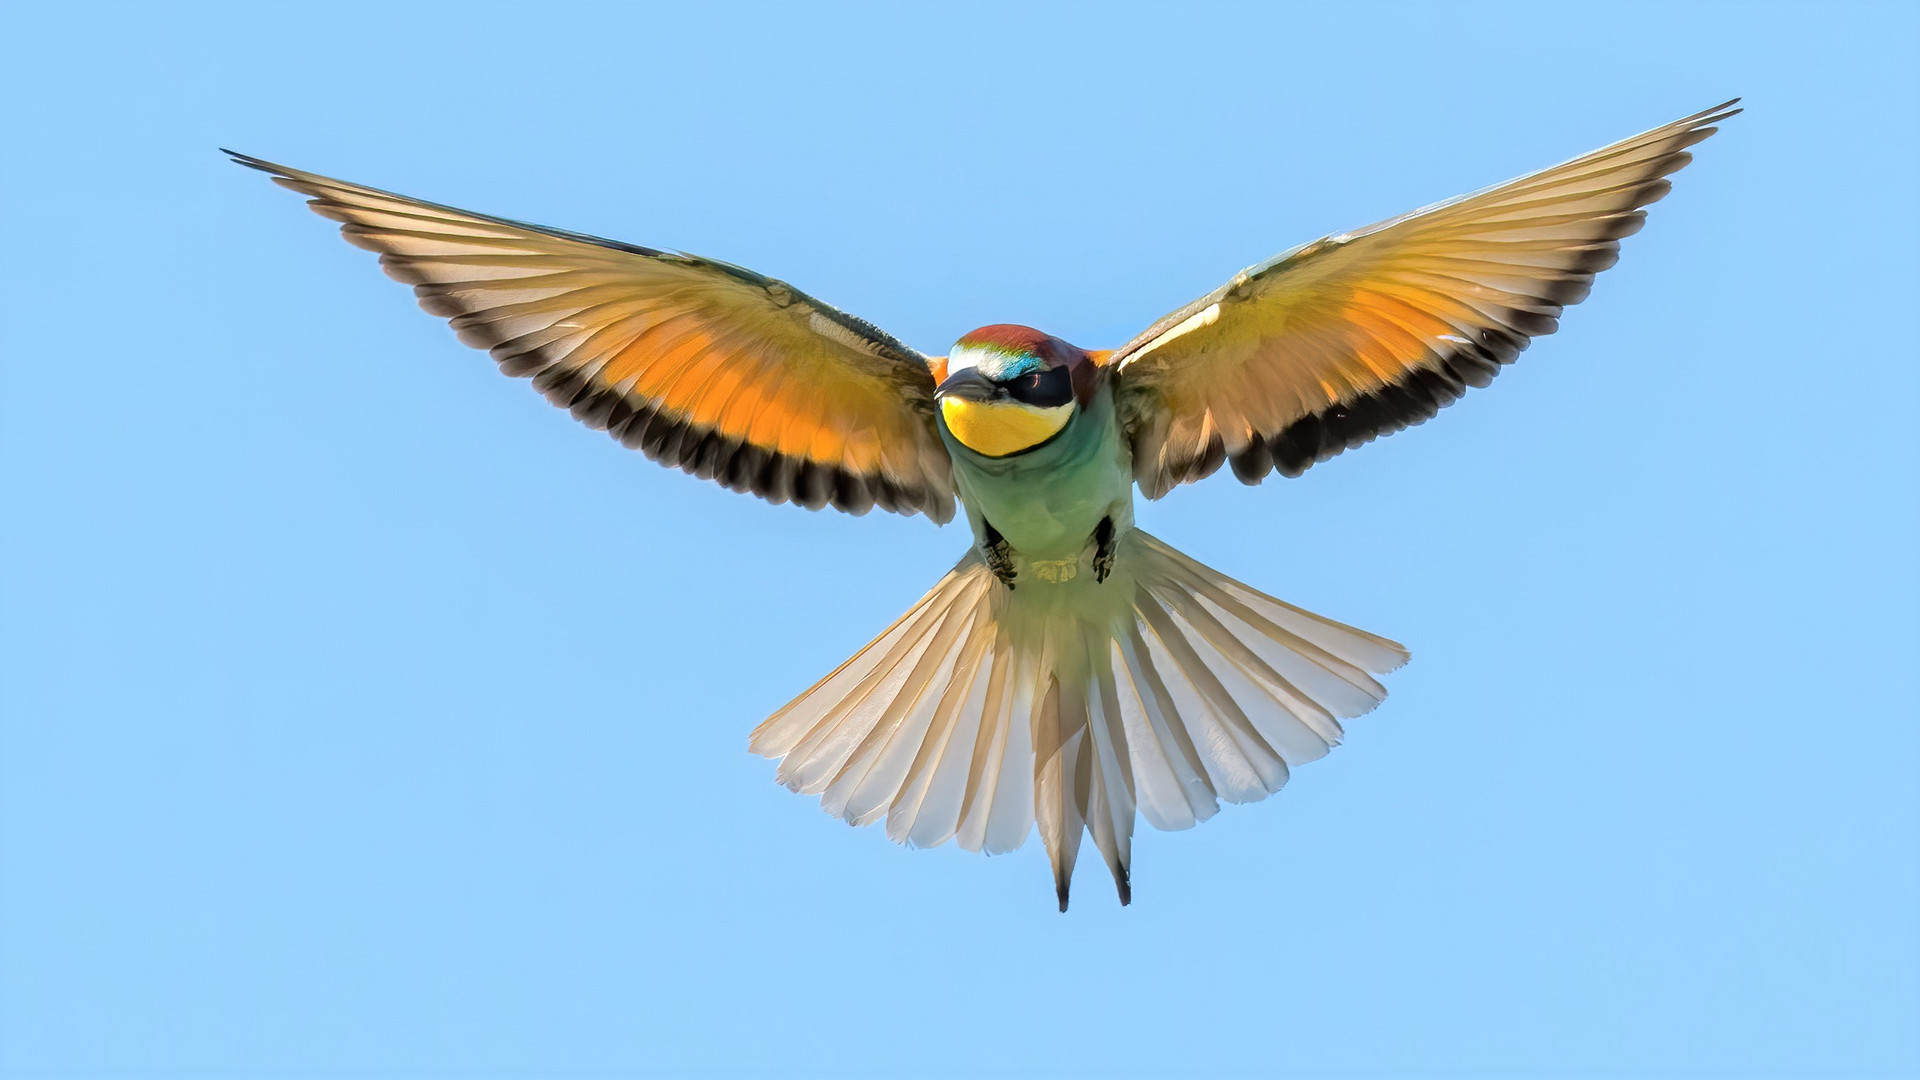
x=1075, y=704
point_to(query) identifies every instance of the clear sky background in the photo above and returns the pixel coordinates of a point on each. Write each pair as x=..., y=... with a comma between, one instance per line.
x=365, y=716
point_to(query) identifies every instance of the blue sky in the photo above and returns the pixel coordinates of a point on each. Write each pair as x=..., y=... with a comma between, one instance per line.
x=364, y=716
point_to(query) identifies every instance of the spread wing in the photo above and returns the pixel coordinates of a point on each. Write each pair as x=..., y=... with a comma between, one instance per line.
x=727, y=374
x=1327, y=346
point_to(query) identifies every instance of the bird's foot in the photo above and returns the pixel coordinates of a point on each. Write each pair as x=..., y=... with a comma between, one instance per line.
x=999, y=556
x=1103, y=549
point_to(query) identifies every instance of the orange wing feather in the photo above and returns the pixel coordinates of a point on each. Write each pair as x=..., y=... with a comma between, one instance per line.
x=700, y=364
x=1334, y=343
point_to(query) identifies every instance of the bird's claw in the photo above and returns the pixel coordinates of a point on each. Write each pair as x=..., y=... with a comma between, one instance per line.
x=1103, y=550
x=1000, y=561
x=999, y=556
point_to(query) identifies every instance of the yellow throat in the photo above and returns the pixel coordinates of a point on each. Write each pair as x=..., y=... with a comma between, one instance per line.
x=999, y=428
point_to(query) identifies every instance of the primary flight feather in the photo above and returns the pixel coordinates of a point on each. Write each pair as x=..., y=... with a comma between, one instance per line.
x=1071, y=671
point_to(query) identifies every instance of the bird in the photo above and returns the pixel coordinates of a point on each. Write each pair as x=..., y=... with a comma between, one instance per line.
x=1071, y=673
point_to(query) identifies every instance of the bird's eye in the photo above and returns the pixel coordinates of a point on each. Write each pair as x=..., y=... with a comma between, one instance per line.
x=1046, y=389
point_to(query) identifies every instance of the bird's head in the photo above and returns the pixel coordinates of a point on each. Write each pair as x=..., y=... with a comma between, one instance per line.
x=1008, y=389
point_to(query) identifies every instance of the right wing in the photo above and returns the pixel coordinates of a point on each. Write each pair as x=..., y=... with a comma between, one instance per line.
x=1358, y=335
x=726, y=374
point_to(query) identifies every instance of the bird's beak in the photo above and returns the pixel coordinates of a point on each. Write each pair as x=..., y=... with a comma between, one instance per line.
x=968, y=384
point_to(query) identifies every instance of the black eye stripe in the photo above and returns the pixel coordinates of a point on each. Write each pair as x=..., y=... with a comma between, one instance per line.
x=1045, y=389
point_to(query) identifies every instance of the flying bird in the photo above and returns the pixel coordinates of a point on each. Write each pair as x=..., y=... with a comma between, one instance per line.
x=1071, y=671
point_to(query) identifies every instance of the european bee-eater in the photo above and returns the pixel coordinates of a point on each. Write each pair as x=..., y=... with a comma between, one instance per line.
x=1071, y=670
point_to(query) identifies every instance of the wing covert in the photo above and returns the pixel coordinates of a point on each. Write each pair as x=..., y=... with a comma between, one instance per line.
x=724, y=373
x=1329, y=345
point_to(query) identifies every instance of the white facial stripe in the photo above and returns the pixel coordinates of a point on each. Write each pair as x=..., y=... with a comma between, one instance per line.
x=964, y=357
x=990, y=361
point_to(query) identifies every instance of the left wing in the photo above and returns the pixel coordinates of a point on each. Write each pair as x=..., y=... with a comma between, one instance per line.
x=700, y=364
x=1327, y=346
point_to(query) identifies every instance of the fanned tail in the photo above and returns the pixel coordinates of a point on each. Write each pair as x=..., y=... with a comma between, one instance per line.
x=1075, y=704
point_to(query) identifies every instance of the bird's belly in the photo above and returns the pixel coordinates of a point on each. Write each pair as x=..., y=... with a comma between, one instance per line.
x=1047, y=518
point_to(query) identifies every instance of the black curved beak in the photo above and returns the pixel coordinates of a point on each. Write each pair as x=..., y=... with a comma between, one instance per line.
x=968, y=384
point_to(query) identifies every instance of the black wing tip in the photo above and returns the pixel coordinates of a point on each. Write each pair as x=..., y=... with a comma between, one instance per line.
x=251, y=162
x=1714, y=115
